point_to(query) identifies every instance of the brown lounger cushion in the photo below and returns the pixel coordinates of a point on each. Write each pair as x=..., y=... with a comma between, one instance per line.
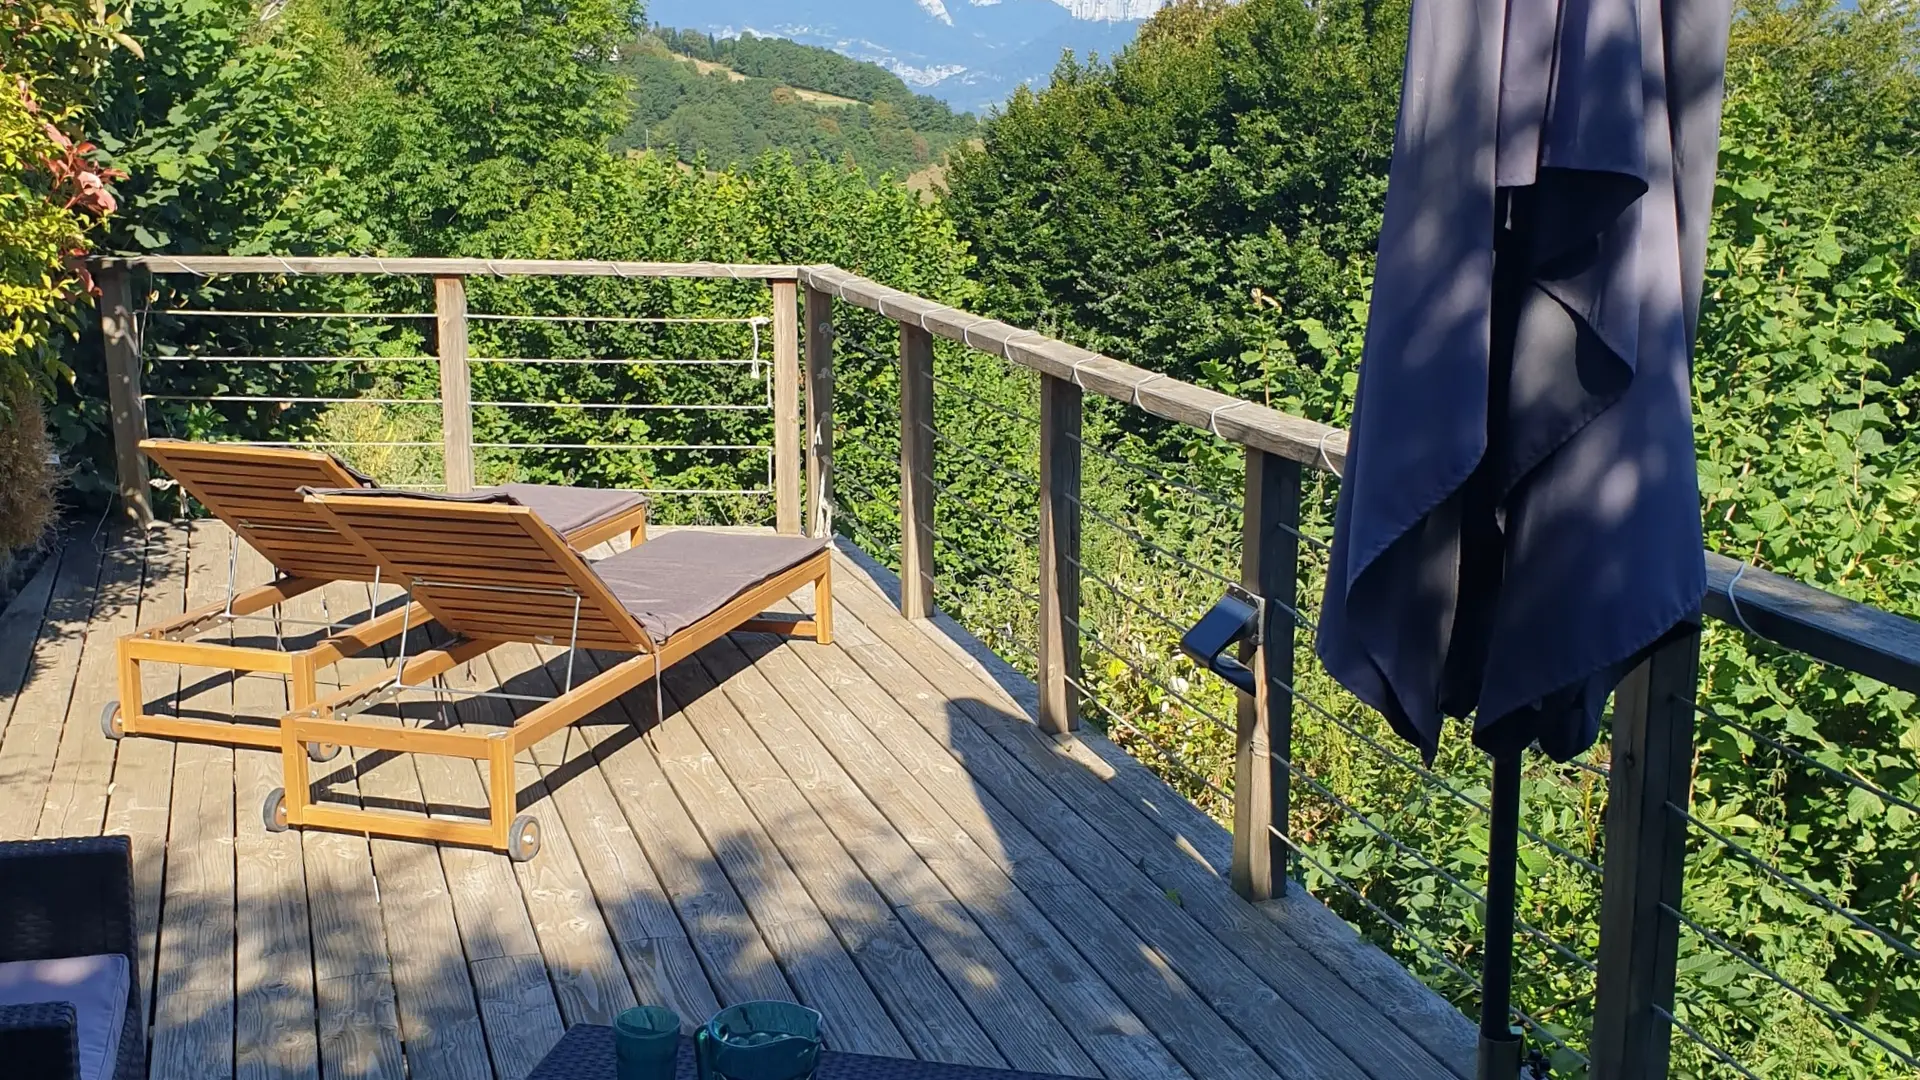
x=566, y=510
x=676, y=579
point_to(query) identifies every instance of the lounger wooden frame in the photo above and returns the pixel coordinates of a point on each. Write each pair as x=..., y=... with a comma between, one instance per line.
x=255, y=491
x=516, y=612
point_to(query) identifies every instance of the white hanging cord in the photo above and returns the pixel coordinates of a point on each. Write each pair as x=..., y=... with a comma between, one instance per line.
x=1324, y=459
x=1738, y=615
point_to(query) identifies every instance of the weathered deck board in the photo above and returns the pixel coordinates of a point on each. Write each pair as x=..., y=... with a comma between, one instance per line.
x=924, y=1007
x=1294, y=1009
x=868, y=827
x=518, y=1011
x=193, y=1016
x=32, y=737
x=737, y=960
x=1009, y=1011
x=141, y=791
x=823, y=974
x=433, y=990
x=76, y=801
x=653, y=948
x=19, y=626
x=1183, y=1019
x=275, y=1037
x=1021, y=765
x=588, y=976
x=354, y=999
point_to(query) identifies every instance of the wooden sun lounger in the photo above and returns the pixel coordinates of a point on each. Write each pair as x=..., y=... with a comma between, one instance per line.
x=256, y=491
x=658, y=603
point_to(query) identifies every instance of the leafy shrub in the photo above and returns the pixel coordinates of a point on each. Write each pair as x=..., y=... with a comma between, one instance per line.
x=1205, y=206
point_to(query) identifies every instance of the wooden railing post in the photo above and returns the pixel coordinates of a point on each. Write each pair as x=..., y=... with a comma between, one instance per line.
x=916, y=472
x=1646, y=849
x=819, y=323
x=1060, y=404
x=1269, y=567
x=456, y=389
x=125, y=410
x=786, y=408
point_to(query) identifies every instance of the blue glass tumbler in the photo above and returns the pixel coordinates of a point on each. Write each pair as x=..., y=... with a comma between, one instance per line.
x=759, y=1040
x=646, y=1041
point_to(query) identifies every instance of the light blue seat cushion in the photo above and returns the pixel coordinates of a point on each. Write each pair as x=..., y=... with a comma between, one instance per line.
x=96, y=987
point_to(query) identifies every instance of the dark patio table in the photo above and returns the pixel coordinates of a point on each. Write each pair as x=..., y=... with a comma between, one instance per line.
x=585, y=1052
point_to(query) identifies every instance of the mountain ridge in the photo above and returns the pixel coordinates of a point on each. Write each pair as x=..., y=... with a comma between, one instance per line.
x=970, y=53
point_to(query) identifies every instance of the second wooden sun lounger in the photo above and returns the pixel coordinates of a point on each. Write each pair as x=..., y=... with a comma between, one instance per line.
x=256, y=491
x=511, y=579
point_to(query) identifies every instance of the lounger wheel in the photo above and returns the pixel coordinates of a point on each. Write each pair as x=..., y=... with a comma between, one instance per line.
x=322, y=751
x=523, y=838
x=273, y=812
x=110, y=723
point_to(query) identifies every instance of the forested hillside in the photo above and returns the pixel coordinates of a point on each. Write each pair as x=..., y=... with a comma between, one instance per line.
x=723, y=102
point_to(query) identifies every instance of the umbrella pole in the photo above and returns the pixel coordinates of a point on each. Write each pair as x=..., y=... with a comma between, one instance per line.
x=1500, y=1045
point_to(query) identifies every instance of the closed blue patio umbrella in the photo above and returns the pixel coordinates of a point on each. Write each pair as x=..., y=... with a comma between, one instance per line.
x=1520, y=519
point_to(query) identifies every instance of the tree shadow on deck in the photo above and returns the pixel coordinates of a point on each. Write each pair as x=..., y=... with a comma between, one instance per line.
x=806, y=823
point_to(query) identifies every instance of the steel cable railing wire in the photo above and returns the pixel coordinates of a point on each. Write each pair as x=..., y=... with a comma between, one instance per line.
x=1424, y=945
x=1213, y=497
x=1177, y=695
x=967, y=452
x=203, y=358
x=1772, y=976
x=988, y=573
x=889, y=555
x=1177, y=627
x=1825, y=904
x=1089, y=511
x=1701, y=1041
x=1811, y=762
x=1526, y=928
x=1590, y=768
x=1427, y=774
x=241, y=314
x=859, y=489
x=1121, y=594
x=1185, y=701
x=956, y=500
x=1170, y=757
x=943, y=385
x=1327, y=793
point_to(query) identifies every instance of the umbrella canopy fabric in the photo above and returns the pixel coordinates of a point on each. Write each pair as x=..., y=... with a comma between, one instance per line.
x=1520, y=514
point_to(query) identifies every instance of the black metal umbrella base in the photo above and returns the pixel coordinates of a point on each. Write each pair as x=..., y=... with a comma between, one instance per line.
x=1499, y=1058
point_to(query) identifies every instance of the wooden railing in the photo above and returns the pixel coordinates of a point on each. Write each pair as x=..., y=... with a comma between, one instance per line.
x=449, y=276
x=1654, y=710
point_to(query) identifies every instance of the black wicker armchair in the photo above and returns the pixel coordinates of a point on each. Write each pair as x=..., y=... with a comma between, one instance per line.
x=62, y=899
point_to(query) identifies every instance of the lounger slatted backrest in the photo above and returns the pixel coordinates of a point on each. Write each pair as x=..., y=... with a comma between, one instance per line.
x=486, y=570
x=256, y=491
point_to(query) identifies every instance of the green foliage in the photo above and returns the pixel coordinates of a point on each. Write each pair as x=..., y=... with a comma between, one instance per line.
x=776, y=99
x=1135, y=207
x=1805, y=393
x=1205, y=206
x=52, y=189
x=647, y=208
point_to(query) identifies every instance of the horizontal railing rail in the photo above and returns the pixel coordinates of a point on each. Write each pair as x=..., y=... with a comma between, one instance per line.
x=1044, y=512
x=208, y=265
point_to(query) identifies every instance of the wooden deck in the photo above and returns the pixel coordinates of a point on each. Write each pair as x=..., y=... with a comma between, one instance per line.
x=872, y=828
